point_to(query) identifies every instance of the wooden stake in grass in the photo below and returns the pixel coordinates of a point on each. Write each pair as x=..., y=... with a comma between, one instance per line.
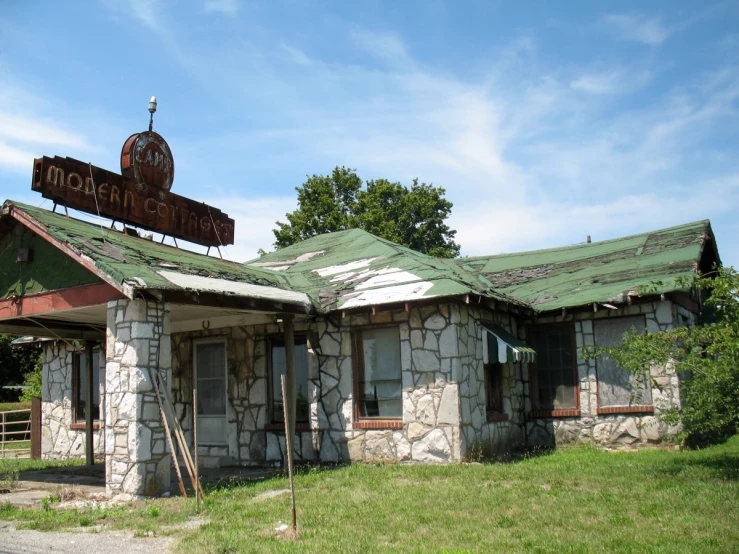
x=198, y=495
x=289, y=446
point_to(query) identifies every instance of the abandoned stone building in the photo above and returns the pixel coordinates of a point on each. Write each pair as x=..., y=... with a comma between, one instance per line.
x=398, y=356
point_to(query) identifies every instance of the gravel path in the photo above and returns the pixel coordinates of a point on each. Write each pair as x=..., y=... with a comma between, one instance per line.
x=13, y=541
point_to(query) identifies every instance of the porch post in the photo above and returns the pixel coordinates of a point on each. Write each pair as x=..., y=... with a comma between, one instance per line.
x=89, y=450
x=137, y=462
x=290, y=372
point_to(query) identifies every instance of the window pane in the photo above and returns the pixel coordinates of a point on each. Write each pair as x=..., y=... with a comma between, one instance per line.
x=211, y=381
x=211, y=397
x=493, y=386
x=381, y=387
x=80, y=392
x=279, y=368
x=211, y=360
x=555, y=369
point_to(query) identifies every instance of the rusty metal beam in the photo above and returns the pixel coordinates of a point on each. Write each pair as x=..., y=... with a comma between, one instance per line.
x=59, y=300
x=50, y=329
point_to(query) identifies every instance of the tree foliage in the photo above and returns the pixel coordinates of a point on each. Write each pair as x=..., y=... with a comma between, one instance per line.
x=705, y=356
x=414, y=217
x=15, y=363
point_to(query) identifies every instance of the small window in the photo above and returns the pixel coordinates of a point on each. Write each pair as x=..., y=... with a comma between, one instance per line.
x=494, y=387
x=555, y=371
x=279, y=368
x=379, y=382
x=79, y=384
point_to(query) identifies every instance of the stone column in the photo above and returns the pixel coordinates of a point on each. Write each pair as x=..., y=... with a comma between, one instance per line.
x=137, y=461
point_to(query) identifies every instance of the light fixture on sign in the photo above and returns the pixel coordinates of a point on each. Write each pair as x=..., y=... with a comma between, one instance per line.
x=152, y=109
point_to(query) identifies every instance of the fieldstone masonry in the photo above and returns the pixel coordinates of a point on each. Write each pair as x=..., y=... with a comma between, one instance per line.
x=137, y=461
x=615, y=430
x=58, y=440
x=430, y=367
x=444, y=415
x=481, y=436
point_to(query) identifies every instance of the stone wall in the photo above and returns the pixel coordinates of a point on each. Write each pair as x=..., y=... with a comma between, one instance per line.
x=247, y=350
x=430, y=369
x=58, y=440
x=430, y=365
x=480, y=436
x=614, y=430
x=137, y=461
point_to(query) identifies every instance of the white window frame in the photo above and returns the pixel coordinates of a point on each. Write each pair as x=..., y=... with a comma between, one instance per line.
x=195, y=344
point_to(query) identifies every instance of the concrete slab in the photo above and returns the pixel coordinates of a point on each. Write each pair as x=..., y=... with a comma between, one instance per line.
x=89, y=481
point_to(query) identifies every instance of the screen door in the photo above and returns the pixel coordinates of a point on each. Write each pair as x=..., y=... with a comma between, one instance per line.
x=210, y=379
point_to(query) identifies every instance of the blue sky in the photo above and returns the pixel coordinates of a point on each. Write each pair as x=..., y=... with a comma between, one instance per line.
x=545, y=122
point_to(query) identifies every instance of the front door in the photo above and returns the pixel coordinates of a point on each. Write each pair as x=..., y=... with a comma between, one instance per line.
x=210, y=380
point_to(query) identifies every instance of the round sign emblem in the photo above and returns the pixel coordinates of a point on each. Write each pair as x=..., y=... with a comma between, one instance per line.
x=147, y=160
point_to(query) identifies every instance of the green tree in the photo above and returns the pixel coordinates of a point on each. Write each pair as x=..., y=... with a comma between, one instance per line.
x=15, y=363
x=706, y=356
x=33, y=382
x=414, y=217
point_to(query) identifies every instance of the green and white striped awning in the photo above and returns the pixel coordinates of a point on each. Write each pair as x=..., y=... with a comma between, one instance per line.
x=498, y=345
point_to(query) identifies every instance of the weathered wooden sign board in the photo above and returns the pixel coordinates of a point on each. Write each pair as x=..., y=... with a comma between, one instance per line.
x=150, y=206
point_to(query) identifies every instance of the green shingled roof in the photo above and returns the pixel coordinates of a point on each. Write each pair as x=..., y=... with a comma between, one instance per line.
x=604, y=271
x=353, y=268
x=136, y=261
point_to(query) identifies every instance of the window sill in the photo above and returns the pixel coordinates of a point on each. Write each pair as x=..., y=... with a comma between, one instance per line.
x=496, y=416
x=378, y=424
x=80, y=426
x=626, y=410
x=569, y=412
x=304, y=426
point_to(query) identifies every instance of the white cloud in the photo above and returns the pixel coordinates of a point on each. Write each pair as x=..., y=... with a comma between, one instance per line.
x=148, y=12
x=296, y=55
x=254, y=220
x=638, y=28
x=228, y=7
x=33, y=130
x=384, y=46
x=598, y=83
x=14, y=158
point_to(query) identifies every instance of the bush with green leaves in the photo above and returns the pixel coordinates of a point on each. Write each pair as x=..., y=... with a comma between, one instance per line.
x=705, y=356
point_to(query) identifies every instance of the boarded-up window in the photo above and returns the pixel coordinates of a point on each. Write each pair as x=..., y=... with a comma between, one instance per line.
x=555, y=372
x=616, y=387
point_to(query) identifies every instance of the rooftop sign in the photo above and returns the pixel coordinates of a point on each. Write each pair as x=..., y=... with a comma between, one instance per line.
x=141, y=196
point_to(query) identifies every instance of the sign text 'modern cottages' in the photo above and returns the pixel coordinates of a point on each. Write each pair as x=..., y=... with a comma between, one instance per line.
x=95, y=190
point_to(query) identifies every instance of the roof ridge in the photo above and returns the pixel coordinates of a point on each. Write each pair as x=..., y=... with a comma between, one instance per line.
x=704, y=222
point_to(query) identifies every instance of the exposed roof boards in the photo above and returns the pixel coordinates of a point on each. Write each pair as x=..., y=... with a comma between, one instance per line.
x=598, y=272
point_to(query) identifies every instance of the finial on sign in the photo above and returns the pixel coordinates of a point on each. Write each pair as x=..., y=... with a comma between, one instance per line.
x=152, y=109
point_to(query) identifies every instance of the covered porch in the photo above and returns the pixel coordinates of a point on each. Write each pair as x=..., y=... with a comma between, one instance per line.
x=111, y=307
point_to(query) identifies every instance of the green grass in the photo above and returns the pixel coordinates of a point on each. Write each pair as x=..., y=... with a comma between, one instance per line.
x=11, y=465
x=573, y=500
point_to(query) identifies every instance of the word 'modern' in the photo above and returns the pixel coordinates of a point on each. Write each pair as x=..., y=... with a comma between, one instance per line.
x=113, y=196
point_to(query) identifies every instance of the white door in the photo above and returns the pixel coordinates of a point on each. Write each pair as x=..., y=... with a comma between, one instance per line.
x=210, y=380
